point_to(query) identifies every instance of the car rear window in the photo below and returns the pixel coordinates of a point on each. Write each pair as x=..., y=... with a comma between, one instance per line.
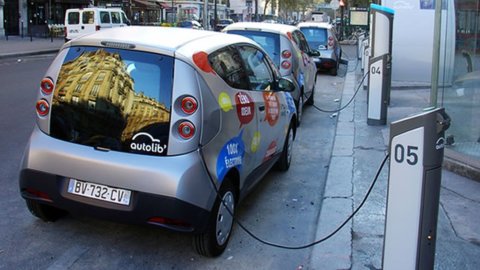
x=317, y=38
x=88, y=17
x=114, y=99
x=74, y=18
x=270, y=42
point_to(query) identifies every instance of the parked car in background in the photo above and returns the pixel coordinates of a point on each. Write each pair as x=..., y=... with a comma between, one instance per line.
x=190, y=24
x=81, y=21
x=290, y=52
x=157, y=131
x=322, y=37
x=222, y=24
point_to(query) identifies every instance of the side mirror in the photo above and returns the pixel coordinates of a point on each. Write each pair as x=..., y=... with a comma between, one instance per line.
x=286, y=85
x=314, y=53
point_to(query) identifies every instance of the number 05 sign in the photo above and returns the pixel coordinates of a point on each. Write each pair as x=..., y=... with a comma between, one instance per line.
x=416, y=154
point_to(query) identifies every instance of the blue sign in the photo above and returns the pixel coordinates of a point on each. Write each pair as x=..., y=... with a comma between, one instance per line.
x=231, y=156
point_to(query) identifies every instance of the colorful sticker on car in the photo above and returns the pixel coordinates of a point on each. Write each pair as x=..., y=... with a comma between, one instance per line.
x=301, y=78
x=290, y=103
x=201, y=60
x=271, y=150
x=245, y=108
x=225, y=102
x=255, y=142
x=272, y=107
x=231, y=156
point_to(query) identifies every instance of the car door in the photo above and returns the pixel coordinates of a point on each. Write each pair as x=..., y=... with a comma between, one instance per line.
x=88, y=24
x=308, y=66
x=237, y=144
x=271, y=110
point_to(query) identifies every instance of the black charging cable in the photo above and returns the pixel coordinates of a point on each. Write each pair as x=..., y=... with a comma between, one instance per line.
x=348, y=103
x=240, y=224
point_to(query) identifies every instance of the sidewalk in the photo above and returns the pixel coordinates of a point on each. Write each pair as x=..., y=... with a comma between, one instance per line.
x=16, y=46
x=357, y=153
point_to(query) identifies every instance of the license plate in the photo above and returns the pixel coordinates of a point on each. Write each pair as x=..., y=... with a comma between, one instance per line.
x=99, y=192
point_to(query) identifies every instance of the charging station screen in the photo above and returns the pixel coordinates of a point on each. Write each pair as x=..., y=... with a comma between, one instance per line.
x=359, y=17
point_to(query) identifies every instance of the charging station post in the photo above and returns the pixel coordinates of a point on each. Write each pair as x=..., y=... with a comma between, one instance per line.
x=380, y=64
x=416, y=155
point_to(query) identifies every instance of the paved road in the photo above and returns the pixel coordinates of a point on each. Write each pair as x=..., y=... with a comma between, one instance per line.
x=284, y=208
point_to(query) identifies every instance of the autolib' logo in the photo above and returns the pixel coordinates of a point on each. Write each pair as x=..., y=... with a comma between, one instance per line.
x=145, y=142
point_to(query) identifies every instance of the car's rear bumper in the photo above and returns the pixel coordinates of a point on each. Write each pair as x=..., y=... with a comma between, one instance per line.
x=144, y=208
x=175, y=188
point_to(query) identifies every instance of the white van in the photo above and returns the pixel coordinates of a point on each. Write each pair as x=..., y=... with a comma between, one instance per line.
x=81, y=21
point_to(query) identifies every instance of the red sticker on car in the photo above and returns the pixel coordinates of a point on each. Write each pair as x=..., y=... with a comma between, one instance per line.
x=271, y=150
x=272, y=107
x=201, y=60
x=245, y=108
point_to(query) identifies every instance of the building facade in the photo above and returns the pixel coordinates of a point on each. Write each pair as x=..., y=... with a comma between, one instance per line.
x=22, y=17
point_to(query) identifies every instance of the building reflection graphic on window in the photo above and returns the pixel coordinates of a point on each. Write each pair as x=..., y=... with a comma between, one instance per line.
x=96, y=103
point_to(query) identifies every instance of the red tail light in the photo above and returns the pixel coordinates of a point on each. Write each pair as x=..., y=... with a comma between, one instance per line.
x=286, y=54
x=189, y=105
x=97, y=28
x=65, y=31
x=286, y=64
x=43, y=108
x=47, y=86
x=186, y=130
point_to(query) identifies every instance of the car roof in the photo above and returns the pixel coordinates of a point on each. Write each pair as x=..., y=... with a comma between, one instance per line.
x=259, y=26
x=315, y=24
x=165, y=40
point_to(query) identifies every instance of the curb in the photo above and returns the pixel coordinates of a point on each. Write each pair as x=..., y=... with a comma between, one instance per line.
x=28, y=53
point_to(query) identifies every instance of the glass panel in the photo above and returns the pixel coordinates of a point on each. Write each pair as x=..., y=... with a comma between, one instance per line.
x=104, y=17
x=87, y=17
x=227, y=63
x=73, y=18
x=316, y=37
x=460, y=95
x=270, y=42
x=105, y=97
x=258, y=71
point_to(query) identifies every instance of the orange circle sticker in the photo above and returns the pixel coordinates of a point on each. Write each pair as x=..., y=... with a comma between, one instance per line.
x=272, y=107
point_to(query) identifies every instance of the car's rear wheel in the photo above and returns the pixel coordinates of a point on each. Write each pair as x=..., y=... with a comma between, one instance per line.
x=283, y=164
x=44, y=212
x=213, y=242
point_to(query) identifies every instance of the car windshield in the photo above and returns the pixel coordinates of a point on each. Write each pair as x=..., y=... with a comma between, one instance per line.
x=317, y=38
x=108, y=97
x=270, y=42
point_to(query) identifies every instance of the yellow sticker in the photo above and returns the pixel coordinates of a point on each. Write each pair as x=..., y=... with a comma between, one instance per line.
x=255, y=142
x=225, y=102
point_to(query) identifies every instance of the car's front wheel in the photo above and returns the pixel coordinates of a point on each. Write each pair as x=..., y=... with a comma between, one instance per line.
x=300, y=109
x=213, y=242
x=283, y=164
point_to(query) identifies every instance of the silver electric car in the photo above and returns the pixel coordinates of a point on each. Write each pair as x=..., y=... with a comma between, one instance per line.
x=289, y=49
x=322, y=37
x=135, y=127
